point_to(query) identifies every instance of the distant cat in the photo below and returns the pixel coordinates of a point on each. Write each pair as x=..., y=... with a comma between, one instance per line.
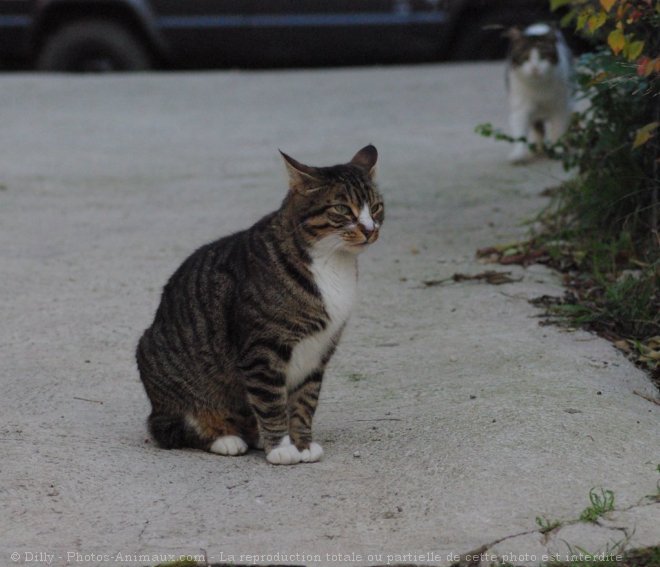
x=539, y=83
x=245, y=327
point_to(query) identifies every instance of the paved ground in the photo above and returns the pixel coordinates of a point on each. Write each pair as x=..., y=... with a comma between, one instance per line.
x=449, y=417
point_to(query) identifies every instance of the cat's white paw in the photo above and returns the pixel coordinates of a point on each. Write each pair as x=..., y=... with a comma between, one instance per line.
x=313, y=454
x=229, y=445
x=284, y=454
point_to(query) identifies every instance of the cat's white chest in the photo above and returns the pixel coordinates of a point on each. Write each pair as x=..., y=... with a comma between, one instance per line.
x=335, y=276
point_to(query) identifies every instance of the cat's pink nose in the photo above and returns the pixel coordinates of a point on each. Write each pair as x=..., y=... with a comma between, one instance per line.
x=367, y=231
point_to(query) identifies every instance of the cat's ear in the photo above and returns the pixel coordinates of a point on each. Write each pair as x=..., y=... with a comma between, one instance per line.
x=301, y=177
x=366, y=158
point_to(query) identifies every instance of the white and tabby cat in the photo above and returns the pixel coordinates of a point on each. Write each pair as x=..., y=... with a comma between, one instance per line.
x=538, y=75
x=245, y=327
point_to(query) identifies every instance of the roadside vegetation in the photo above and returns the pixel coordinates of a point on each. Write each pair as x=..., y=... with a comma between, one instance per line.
x=601, y=512
x=645, y=557
x=602, y=227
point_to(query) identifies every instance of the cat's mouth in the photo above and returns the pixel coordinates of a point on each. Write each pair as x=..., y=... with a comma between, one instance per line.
x=364, y=243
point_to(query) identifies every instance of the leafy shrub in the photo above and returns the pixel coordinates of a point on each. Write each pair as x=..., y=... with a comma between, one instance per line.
x=613, y=143
x=606, y=218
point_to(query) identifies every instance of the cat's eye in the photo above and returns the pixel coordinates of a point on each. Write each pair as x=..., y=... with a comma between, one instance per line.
x=342, y=209
x=377, y=208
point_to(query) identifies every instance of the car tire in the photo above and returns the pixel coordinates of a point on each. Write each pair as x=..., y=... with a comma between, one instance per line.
x=93, y=46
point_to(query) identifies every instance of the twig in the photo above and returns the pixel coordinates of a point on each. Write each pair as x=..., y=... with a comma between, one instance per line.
x=649, y=398
x=88, y=400
x=490, y=276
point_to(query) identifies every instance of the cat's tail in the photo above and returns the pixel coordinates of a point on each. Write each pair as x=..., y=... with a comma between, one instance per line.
x=171, y=431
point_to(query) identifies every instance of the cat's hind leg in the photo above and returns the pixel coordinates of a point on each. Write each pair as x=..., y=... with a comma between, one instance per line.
x=538, y=135
x=220, y=433
x=229, y=445
x=170, y=431
x=559, y=123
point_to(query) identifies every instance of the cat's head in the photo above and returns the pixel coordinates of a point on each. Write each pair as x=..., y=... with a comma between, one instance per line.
x=338, y=207
x=533, y=52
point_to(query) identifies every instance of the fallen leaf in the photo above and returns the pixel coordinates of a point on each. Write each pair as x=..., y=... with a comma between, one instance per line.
x=488, y=251
x=623, y=345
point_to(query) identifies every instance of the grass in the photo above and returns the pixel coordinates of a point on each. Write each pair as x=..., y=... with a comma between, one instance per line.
x=600, y=504
x=356, y=377
x=546, y=526
x=180, y=563
x=644, y=557
x=610, y=290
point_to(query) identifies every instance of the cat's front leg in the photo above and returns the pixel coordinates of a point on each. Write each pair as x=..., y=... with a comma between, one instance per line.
x=519, y=120
x=267, y=395
x=302, y=405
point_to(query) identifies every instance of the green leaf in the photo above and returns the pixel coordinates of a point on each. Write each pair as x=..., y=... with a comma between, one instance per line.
x=583, y=17
x=555, y=4
x=568, y=18
x=634, y=50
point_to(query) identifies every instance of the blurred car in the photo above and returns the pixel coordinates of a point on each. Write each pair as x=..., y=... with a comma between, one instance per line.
x=130, y=35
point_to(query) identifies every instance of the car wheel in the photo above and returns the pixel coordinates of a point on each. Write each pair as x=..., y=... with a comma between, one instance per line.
x=93, y=46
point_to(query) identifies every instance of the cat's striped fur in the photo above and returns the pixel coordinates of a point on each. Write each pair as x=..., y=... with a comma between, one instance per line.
x=236, y=354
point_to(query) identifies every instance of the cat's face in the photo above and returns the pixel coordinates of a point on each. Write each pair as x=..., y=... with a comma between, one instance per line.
x=337, y=207
x=533, y=53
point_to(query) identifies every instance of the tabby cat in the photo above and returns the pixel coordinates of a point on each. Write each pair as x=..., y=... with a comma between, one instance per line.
x=539, y=83
x=236, y=353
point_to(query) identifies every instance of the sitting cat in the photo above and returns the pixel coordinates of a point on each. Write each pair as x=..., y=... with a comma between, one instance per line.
x=245, y=327
x=538, y=77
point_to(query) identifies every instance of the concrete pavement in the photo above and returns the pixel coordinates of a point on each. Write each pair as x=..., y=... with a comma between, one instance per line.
x=450, y=419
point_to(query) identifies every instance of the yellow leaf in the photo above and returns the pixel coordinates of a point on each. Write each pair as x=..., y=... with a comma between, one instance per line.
x=644, y=134
x=616, y=40
x=607, y=4
x=596, y=21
